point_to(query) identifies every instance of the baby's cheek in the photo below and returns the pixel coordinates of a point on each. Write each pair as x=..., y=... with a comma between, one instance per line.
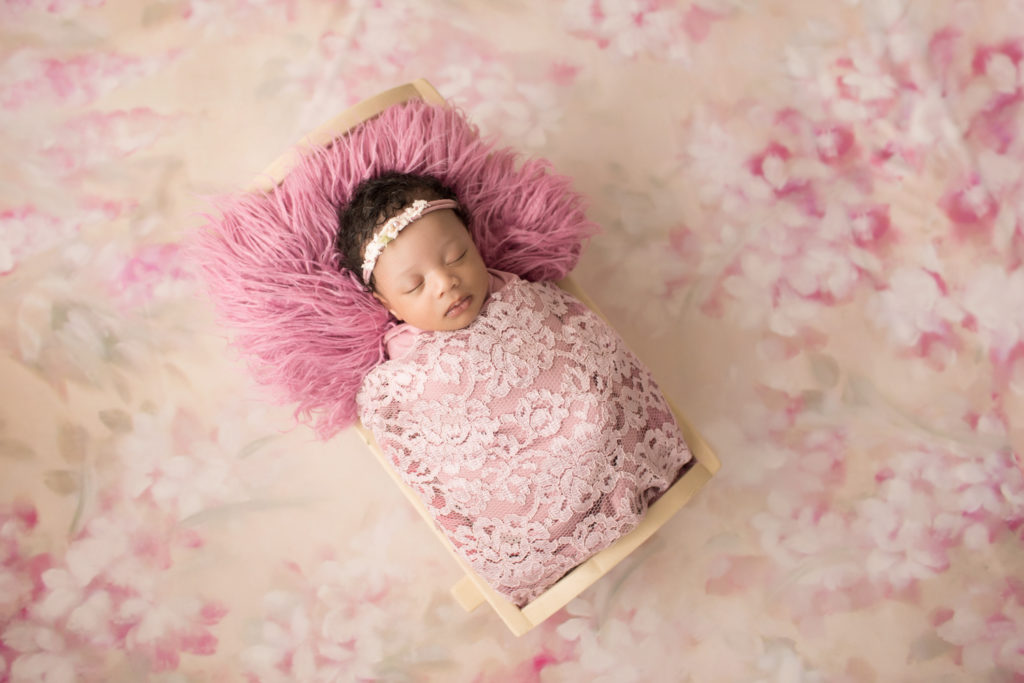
x=479, y=306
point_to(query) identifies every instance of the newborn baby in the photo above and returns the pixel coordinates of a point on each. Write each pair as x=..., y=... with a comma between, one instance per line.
x=529, y=431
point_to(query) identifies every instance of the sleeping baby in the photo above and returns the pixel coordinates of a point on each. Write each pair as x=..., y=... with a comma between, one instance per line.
x=533, y=436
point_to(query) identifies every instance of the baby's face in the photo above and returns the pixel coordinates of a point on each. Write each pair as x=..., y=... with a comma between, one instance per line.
x=431, y=276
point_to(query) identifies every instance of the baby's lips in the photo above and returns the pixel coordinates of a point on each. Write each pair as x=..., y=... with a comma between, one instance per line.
x=457, y=303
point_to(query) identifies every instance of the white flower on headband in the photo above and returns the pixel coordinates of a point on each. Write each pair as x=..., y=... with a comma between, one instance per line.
x=395, y=225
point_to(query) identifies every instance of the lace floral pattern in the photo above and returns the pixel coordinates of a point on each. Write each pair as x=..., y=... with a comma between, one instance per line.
x=534, y=436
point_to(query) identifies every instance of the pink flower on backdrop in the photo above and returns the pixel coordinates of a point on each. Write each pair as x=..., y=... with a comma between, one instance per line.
x=171, y=462
x=711, y=639
x=379, y=47
x=101, y=137
x=996, y=124
x=990, y=422
x=370, y=51
x=837, y=558
x=971, y=208
x=522, y=108
x=59, y=7
x=919, y=310
x=916, y=310
x=31, y=79
x=986, y=626
x=942, y=50
x=685, y=247
x=803, y=535
x=341, y=619
x=866, y=81
x=782, y=660
x=801, y=529
x=110, y=592
x=995, y=60
x=785, y=270
x=153, y=272
x=239, y=15
x=616, y=646
x=20, y=571
x=931, y=500
x=563, y=74
x=836, y=143
x=22, y=584
x=772, y=166
x=870, y=225
x=113, y=589
x=654, y=27
x=993, y=303
x=26, y=231
x=798, y=226
x=866, y=90
x=534, y=669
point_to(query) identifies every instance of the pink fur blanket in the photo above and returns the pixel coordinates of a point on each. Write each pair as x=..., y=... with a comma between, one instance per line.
x=306, y=326
x=533, y=436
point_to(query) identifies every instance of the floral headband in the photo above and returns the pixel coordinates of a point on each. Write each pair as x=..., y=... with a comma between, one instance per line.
x=418, y=209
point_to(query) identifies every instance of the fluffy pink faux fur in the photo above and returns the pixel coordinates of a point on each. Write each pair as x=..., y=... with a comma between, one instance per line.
x=306, y=325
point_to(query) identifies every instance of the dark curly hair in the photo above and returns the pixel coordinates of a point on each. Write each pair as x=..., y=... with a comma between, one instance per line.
x=374, y=202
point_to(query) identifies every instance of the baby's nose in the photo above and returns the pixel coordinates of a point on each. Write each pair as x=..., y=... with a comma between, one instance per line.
x=446, y=281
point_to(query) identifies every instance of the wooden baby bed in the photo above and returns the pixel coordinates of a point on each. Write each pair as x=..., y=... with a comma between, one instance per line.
x=471, y=590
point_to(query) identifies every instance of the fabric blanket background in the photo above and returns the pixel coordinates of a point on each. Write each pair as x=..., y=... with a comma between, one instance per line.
x=813, y=236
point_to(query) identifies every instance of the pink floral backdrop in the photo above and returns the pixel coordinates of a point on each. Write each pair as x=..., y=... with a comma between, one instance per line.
x=813, y=221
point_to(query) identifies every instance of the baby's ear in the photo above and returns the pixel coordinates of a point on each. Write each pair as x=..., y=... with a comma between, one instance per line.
x=384, y=302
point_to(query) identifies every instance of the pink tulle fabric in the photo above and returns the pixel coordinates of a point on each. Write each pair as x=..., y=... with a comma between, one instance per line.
x=306, y=326
x=533, y=436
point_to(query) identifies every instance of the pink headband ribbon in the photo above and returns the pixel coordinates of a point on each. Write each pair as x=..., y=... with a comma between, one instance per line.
x=396, y=224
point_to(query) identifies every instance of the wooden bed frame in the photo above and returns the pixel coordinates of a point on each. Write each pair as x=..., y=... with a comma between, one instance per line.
x=471, y=590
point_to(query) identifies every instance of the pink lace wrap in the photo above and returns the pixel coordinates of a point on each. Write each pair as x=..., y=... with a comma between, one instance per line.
x=534, y=437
